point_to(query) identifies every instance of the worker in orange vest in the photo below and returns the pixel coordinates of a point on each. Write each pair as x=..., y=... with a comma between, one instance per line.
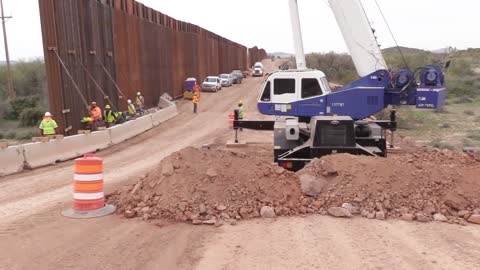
x=195, y=101
x=96, y=115
x=95, y=112
x=197, y=90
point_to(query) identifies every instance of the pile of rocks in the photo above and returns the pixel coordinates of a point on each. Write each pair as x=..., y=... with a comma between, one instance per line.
x=216, y=186
x=211, y=186
x=424, y=189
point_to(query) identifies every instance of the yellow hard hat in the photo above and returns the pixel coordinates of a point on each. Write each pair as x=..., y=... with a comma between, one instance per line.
x=107, y=107
x=240, y=102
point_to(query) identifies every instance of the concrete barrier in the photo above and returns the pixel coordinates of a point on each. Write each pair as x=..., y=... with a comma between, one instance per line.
x=33, y=155
x=130, y=129
x=43, y=154
x=165, y=103
x=11, y=160
x=164, y=115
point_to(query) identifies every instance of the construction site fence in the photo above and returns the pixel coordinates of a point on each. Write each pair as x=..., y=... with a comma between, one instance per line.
x=17, y=158
x=108, y=50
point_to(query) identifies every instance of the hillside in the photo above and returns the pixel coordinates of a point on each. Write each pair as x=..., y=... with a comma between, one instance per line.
x=403, y=49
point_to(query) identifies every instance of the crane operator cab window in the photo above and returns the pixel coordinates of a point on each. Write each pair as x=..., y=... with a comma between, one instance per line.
x=311, y=88
x=266, y=95
x=284, y=90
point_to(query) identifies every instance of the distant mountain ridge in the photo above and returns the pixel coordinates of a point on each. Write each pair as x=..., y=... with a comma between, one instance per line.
x=403, y=49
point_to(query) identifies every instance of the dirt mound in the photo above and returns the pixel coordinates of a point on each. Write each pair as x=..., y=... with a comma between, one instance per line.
x=210, y=184
x=409, y=186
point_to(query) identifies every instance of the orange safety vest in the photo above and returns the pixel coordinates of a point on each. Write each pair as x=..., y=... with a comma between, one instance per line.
x=197, y=91
x=96, y=113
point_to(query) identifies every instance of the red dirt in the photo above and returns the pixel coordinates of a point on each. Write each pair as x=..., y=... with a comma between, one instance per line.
x=413, y=183
x=195, y=185
x=213, y=179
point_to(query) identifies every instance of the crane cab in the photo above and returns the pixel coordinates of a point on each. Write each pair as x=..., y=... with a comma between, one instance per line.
x=294, y=93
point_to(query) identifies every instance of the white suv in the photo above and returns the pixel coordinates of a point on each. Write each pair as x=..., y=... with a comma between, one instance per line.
x=211, y=83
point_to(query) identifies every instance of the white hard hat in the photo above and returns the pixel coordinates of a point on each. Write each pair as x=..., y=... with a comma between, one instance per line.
x=48, y=114
x=129, y=101
x=138, y=94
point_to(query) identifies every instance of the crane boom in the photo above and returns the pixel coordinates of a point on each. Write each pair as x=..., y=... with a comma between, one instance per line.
x=297, y=35
x=358, y=35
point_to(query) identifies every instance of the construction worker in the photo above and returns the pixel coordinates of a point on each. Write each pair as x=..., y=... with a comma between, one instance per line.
x=120, y=118
x=88, y=123
x=132, y=112
x=109, y=116
x=96, y=114
x=241, y=113
x=48, y=126
x=195, y=102
x=140, y=103
x=197, y=89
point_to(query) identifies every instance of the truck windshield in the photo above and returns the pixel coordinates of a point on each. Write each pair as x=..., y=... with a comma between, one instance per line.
x=211, y=79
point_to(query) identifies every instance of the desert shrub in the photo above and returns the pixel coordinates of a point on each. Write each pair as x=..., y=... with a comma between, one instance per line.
x=30, y=117
x=469, y=112
x=27, y=135
x=437, y=143
x=11, y=135
x=19, y=104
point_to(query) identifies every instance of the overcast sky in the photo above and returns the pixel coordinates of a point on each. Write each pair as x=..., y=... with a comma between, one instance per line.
x=425, y=24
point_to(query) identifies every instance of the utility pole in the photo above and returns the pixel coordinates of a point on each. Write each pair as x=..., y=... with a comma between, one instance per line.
x=11, y=91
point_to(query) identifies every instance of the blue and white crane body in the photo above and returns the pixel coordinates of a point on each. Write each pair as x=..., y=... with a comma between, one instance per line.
x=315, y=120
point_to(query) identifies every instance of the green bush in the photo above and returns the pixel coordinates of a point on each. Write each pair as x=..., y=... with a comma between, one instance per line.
x=27, y=135
x=338, y=68
x=2, y=136
x=20, y=104
x=30, y=117
x=11, y=135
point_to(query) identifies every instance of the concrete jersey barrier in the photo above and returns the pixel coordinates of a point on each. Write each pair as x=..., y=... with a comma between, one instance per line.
x=164, y=115
x=130, y=129
x=34, y=155
x=43, y=154
x=11, y=160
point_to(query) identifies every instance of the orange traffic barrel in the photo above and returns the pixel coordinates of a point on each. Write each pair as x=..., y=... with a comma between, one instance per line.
x=88, y=196
x=231, y=117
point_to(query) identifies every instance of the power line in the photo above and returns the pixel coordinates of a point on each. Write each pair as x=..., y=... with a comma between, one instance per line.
x=393, y=36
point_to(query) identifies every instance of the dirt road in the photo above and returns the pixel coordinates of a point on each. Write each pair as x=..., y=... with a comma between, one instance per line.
x=33, y=235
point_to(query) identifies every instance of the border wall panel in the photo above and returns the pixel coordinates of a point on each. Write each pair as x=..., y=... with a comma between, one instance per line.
x=136, y=48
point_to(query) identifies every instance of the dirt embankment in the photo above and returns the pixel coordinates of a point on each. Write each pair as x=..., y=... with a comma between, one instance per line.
x=211, y=186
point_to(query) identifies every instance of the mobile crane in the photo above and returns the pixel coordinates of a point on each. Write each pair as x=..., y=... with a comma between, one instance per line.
x=313, y=121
